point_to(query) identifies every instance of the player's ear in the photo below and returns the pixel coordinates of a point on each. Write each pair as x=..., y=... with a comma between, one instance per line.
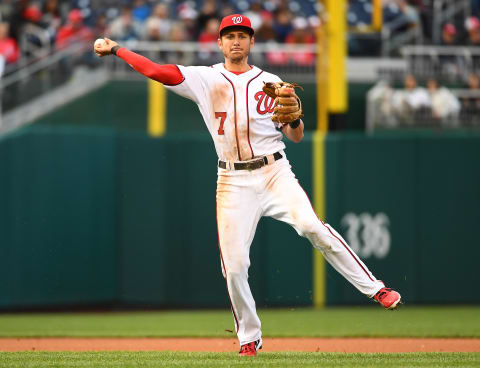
x=219, y=41
x=252, y=40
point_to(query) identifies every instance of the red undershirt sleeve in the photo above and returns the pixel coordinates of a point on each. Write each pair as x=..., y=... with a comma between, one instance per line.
x=167, y=74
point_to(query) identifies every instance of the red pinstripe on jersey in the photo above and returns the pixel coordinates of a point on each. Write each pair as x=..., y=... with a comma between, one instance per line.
x=235, y=117
x=248, y=115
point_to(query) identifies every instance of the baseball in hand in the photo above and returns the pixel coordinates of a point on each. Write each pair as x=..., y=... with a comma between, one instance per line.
x=99, y=42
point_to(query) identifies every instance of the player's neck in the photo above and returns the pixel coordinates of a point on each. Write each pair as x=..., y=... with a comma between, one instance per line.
x=237, y=67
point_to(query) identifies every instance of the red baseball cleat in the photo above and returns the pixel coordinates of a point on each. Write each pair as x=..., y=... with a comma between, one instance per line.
x=251, y=348
x=388, y=298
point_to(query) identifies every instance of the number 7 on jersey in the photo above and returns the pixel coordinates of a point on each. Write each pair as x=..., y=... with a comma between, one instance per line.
x=222, y=116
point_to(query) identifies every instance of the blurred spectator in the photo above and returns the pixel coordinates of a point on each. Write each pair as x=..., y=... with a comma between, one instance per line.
x=472, y=25
x=33, y=13
x=178, y=34
x=188, y=17
x=210, y=33
x=449, y=35
x=140, y=10
x=16, y=18
x=474, y=82
x=472, y=104
x=73, y=30
x=208, y=11
x=101, y=26
x=450, y=64
x=409, y=13
x=315, y=23
x=283, y=24
x=125, y=27
x=208, y=38
x=411, y=100
x=33, y=33
x=226, y=9
x=9, y=52
x=381, y=97
x=401, y=13
x=51, y=18
x=301, y=35
x=159, y=24
x=266, y=32
x=254, y=14
x=445, y=105
x=6, y=9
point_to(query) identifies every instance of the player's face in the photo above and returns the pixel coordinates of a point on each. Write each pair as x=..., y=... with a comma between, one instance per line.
x=235, y=45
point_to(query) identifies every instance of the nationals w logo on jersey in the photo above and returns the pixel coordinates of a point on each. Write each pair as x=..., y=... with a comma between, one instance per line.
x=265, y=103
x=237, y=20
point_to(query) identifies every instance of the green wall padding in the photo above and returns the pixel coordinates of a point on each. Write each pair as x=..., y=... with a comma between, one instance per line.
x=428, y=185
x=57, y=209
x=93, y=216
x=98, y=217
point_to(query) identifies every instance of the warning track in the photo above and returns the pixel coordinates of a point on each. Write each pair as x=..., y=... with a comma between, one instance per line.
x=346, y=345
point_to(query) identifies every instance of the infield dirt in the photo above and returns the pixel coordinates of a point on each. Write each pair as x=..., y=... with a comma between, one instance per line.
x=347, y=345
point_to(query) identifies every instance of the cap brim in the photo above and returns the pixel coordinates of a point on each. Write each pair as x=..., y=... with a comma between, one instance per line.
x=248, y=29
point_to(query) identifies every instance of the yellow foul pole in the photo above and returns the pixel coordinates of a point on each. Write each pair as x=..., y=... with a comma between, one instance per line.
x=337, y=51
x=377, y=15
x=157, y=109
x=331, y=101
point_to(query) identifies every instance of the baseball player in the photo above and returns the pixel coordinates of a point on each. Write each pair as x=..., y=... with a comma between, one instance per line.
x=247, y=120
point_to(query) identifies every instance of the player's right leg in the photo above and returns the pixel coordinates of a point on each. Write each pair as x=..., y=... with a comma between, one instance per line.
x=238, y=213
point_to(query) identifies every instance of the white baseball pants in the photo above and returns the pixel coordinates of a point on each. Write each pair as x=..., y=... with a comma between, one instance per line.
x=243, y=197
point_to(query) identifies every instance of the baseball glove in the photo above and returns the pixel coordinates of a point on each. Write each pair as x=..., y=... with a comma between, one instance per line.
x=288, y=106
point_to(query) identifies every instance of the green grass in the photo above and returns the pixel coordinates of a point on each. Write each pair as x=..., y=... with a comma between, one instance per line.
x=330, y=322
x=185, y=360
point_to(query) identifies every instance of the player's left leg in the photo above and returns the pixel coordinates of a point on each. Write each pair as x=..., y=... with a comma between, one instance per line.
x=284, y=199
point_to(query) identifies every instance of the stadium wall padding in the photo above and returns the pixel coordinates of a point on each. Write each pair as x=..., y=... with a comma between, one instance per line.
x=101, y=217
x=57, y=209
x=97, y=217
x=426, y=189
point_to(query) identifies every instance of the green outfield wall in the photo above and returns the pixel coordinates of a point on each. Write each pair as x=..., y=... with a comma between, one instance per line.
x=92, y=216
x=409, y=202
x=97, y=217
x=57, y=195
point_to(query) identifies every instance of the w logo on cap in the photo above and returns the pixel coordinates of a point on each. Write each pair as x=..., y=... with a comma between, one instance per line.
x=236, y=20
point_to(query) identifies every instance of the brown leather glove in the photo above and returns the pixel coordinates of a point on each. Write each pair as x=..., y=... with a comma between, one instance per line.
x=288, y=106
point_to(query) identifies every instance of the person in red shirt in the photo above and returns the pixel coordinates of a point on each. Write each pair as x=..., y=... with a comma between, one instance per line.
x=73, y=30
x=210, y=33
x=301, y=35
x=208, y=38
x=9, y=52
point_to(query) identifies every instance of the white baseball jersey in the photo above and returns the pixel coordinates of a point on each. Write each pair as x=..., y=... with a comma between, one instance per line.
x=237, y=112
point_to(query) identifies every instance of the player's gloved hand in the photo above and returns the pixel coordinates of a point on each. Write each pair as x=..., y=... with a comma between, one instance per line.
x=105, y=48
x=288, y=106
